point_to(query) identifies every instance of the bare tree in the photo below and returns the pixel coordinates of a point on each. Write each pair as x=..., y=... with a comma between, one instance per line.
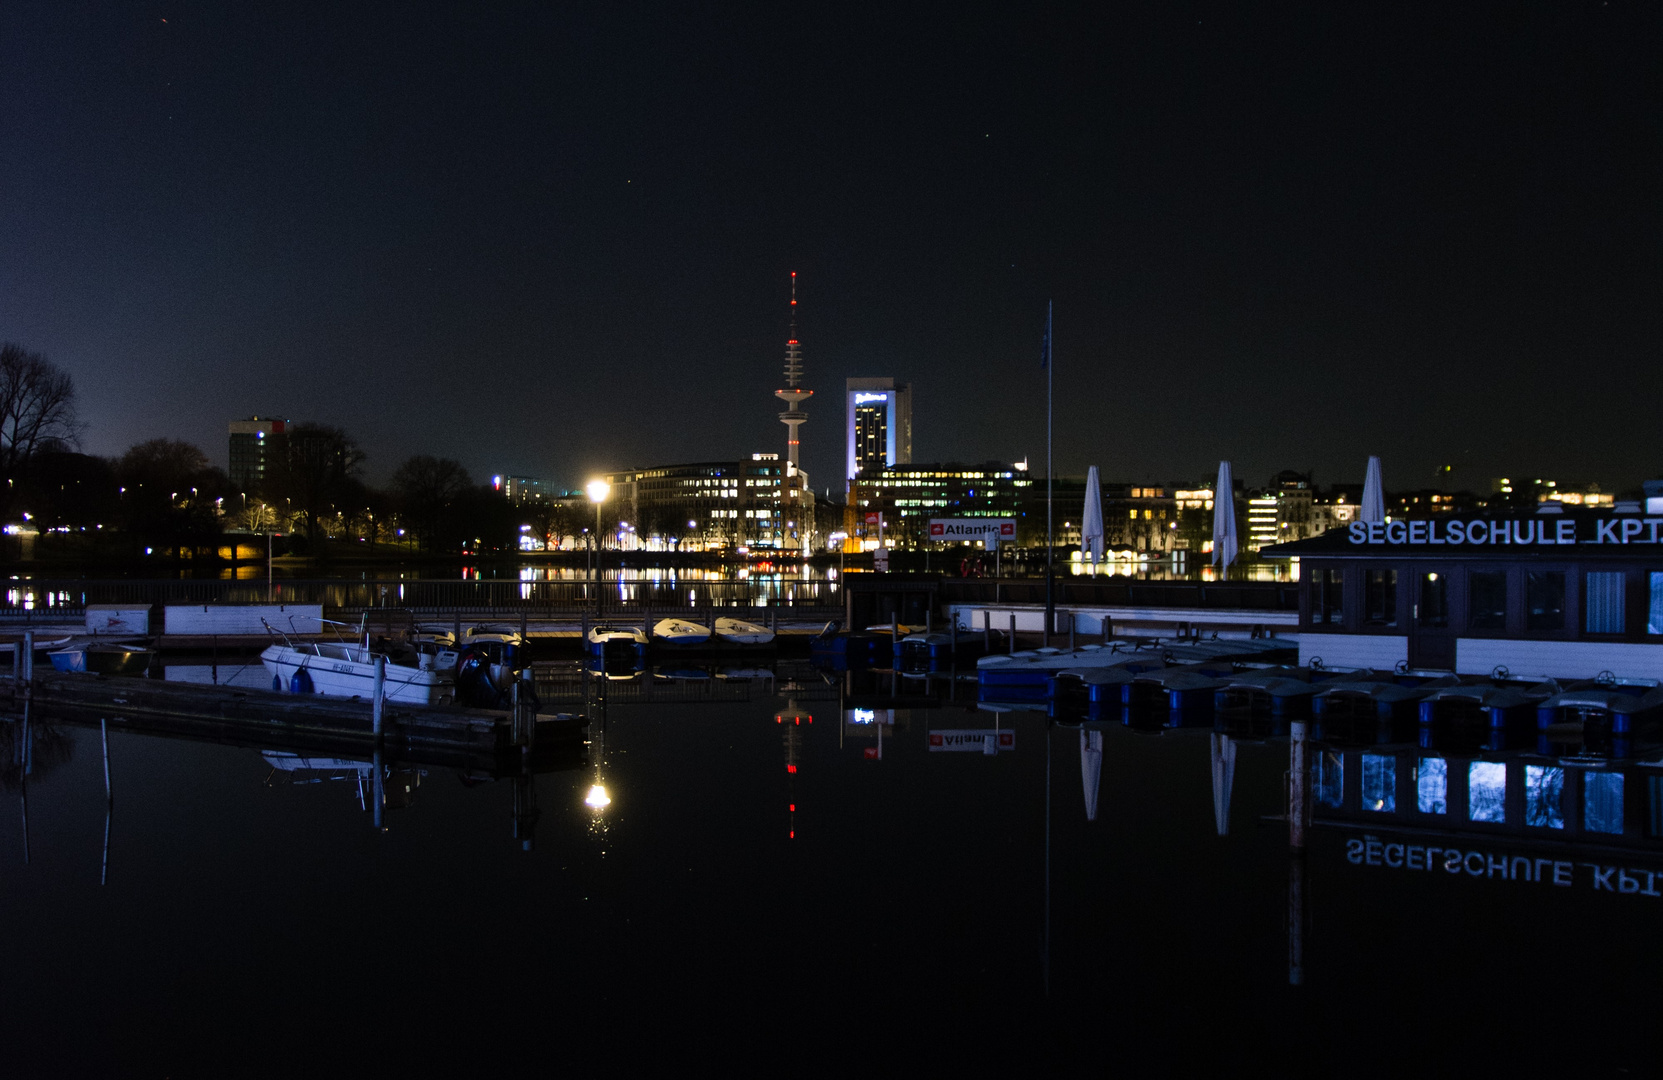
x=314, y=473
x=428, y=490
x=37, y=412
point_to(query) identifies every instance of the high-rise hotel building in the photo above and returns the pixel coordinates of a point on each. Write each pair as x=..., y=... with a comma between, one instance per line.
x=880, y=424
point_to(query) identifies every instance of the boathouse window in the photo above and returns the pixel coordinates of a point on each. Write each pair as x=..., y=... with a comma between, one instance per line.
x=1329, y=768
x=1544, y=599
x=1605, y=602
x=1380, y=597
x=1434, y=600
x=1328, y=597
x=1380, y=783
x=1602, y=802
x=1544, y=792
x=1432, y=785
x=1487, y=791
x=1487, y=600
x=1654, y=610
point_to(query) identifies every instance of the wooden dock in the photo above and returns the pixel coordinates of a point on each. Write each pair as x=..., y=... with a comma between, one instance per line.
x=295, y=720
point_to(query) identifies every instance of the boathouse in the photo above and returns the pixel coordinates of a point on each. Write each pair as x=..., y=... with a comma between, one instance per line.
x=1557, y=593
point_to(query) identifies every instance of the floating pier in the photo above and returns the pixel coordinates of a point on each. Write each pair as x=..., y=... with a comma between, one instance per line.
x=295, y=720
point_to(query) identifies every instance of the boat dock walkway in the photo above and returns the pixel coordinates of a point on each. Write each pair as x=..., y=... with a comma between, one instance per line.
x=300, y=721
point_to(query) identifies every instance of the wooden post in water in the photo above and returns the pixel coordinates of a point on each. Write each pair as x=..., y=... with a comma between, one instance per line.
x=104, y=737
x=378, y=790
x=27, y=659
x=987, y=630
x=1012, y=643
x=894, y=643
x=646, y=620
x=380, y=698
x=1299, y=786
x=929, y=620
x=1070, y=631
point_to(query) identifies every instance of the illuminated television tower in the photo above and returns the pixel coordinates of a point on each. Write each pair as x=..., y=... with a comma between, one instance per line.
x=793, y=395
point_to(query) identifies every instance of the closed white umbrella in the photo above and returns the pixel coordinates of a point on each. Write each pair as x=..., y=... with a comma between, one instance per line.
x=1224, y=519
x=1091, y=768
x=1374, y=493
x=1091, y=526
x=1224, y=775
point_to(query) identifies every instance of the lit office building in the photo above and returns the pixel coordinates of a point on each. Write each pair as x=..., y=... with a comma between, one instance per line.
x=910, y=495
x=879, y=424
x=713, y=504
x=253, y=442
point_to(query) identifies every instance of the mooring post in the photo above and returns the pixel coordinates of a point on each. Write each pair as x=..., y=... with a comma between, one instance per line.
x=987, y=630
x=646, y=620
x=104, y=736
x=524, y=641
x=380, y=697
x=1070, y=631
x=456, y=628
x=378, y=789
x=1299, y=786
x=894, y=639
x=1296, y=918
x=953, y=635
x=27, y=659
x=929, y=620
x=1013, y=634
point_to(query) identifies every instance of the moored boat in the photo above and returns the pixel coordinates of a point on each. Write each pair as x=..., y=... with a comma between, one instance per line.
x=342, y=670
x=739, y=632
x=612, y=638
x=103, y=658
x=680, y=633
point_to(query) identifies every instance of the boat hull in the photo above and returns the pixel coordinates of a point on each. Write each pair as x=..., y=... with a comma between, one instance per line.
x=347, y=676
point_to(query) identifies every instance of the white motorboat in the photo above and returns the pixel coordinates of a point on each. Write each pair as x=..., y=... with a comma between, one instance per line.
x=739, y=632
x=680, y=633
x=341, y=670
x=607, y=638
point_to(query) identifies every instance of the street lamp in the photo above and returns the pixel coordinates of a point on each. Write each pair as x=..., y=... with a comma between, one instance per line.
x=598, y=491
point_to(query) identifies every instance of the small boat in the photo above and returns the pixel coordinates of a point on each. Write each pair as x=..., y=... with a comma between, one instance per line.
x=609, y=638
x=342, y=670
x=680, y=633
x=103, y=658
x=434, y=647
x=739, y=632
x=501, y=645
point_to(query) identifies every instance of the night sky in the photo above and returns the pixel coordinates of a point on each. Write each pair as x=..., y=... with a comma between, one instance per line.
x=549, y=239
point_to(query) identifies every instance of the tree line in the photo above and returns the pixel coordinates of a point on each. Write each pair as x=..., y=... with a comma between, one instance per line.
x=165, y=494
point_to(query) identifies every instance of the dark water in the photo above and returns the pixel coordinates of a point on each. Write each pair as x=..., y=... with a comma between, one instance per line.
x=918, y=912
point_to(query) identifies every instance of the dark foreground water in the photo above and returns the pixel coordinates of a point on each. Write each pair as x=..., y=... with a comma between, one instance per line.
x=917, y=912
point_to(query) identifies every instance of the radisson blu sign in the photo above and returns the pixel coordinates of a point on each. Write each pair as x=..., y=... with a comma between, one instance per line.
x=968, y=530
x=1516, y=532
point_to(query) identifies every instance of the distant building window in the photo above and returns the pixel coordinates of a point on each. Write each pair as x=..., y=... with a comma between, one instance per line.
x=1487, y=600
x=1654, y=610
x=1380, y=597
x=1605, y=602
x=1544, y=593
x=1487, y=791
x=1434, y=600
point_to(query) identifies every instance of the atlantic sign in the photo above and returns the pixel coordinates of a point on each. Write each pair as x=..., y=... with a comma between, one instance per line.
x=1518, y=532
x=968, y=530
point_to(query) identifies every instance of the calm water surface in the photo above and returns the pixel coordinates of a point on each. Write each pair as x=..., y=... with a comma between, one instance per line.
x=767, y=894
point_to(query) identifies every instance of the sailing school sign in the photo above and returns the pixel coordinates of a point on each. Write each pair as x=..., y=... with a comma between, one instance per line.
x=1518, y=532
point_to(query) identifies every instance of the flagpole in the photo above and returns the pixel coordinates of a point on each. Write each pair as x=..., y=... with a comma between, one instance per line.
x=1050, y=542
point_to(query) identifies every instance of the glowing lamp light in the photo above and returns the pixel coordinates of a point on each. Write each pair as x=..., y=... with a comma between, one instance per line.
x=598, y=490
x=597, y=797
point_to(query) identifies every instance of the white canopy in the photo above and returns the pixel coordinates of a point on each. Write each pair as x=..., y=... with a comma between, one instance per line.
x=1374, y=493
x=1224, y=518
x=1091, y=526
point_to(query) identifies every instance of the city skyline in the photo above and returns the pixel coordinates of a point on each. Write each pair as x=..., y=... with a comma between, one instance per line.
x=1270, y=238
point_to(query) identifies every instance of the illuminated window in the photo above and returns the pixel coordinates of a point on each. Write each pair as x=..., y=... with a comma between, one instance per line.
x=1544, y=789
x=1380, y=783
x=1487, y=791
x=1602, y=802
x=1329, y=776
x=1432, y=786
x=1604, y=602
